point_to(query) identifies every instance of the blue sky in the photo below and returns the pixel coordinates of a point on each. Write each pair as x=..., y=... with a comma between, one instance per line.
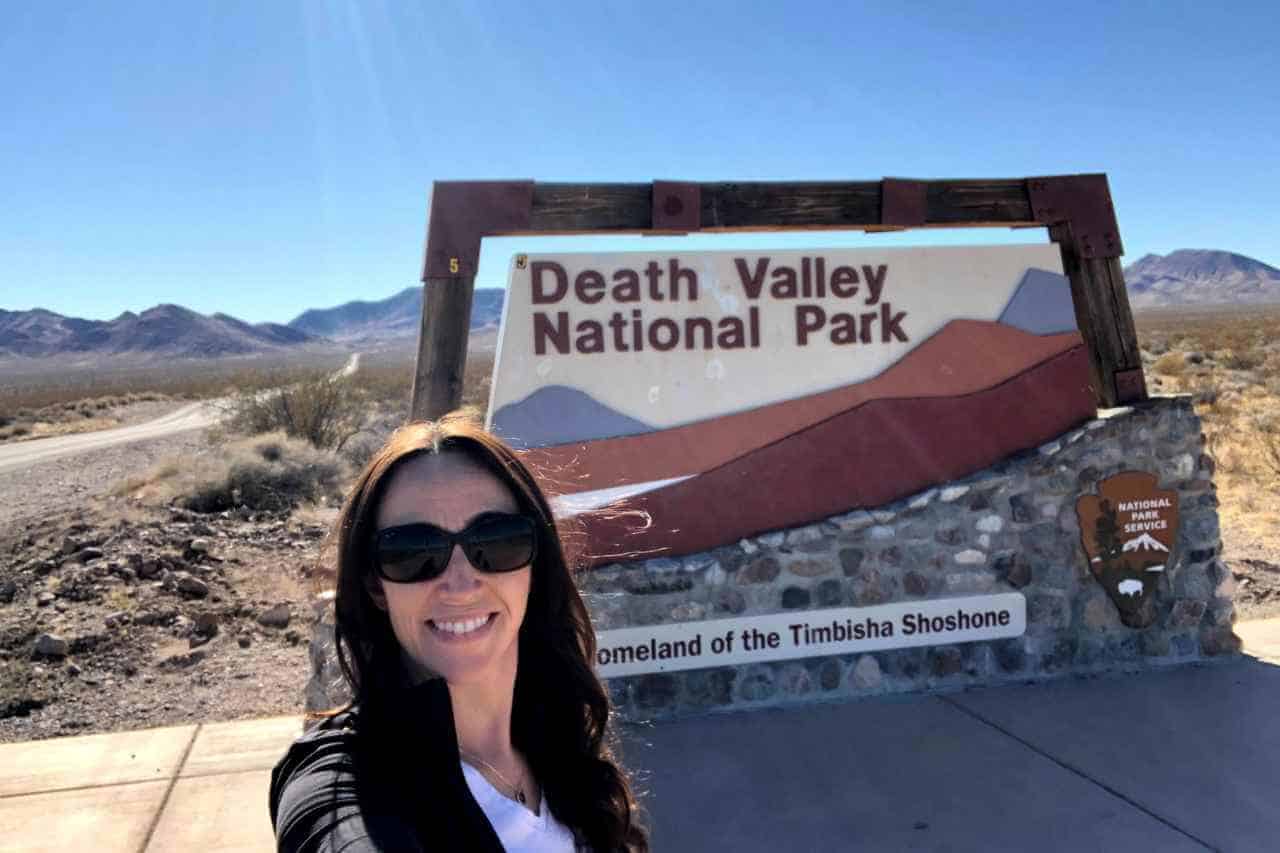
x=261, y=158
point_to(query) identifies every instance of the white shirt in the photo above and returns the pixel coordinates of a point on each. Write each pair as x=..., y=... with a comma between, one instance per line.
x=519, y=830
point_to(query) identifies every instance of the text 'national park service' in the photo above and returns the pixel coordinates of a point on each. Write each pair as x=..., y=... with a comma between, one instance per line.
x=639, y=324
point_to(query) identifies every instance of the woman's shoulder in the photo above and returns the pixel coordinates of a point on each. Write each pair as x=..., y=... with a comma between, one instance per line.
x=314, y=799
x=334, y=734
x=333, y=790
x=325, y=749
x=370, y=779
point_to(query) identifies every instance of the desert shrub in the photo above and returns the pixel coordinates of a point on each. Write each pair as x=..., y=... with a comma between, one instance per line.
x=267, y=472
x=1220, y=410
x=1269, y=445
x=1170, y=364
x=379, y=428
x=322, y=410
x=1241, y=359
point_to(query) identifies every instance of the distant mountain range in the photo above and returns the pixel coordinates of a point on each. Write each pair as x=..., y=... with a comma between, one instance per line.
x=166, y=330
x=1200, y=277
x=176, y=332
x=398, y=316
x=1186, y=277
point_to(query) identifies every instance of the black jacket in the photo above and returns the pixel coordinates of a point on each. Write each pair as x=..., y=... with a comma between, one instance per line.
x=380, y=778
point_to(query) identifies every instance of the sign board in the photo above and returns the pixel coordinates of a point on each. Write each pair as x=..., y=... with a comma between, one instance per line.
x=808, y=633
x=1128, y=530
x=800, y=384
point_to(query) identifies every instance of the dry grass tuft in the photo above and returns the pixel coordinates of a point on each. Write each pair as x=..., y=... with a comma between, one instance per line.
x=1170, y=364
x=265, y=472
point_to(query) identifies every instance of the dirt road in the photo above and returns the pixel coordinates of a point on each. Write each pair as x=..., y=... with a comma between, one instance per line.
x=196, y=415
x=191, y=416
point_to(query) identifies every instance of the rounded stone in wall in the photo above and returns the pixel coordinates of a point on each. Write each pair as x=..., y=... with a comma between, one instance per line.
x=1010, y=656
x=1058, y=655
x=873, y=588
x=759, y=570
x=945, y=661
x=915, y=584
x=756, y=684
x=1154, y=643
x=619, y=692
x=829, y=674
x=811, y=568
x=794, y=679
x=728, y=600
x=656, y=692
x=830, y=593
x=709, y=688
x=851, y=561
x=866, y=673
x=795, y=598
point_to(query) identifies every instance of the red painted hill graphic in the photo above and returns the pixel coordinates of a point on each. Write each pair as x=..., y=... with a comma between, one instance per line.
x=969, y=396
x=964, y=357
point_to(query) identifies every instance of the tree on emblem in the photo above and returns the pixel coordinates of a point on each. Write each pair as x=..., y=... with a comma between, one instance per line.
x=1106, y=533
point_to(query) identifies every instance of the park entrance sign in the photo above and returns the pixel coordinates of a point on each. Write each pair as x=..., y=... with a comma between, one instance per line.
x=792, y=476
x=803, y=383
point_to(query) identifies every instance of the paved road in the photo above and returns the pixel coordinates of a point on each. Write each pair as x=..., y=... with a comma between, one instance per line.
x=191, y=416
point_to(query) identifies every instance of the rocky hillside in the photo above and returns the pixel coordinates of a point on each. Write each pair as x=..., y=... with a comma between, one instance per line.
x=1200, y=277
x=166, y=330
x=398, y=316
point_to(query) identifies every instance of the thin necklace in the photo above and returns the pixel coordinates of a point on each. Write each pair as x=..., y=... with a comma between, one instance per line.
x=518, y=790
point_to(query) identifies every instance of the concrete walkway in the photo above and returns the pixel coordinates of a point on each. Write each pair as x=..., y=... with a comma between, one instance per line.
x=1186, y=759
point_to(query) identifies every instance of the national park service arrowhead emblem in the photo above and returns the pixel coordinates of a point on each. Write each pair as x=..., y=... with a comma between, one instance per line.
x=1128, y=530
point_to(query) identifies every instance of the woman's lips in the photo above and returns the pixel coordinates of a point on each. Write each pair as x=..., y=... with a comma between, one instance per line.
x=454, y=636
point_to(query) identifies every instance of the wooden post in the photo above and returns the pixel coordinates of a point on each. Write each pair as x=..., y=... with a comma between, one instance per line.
x=462, y=213
x=1105, y=321
x=442, y=346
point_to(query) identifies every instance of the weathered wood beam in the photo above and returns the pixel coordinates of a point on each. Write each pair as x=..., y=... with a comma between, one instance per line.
x=1105, y=322
x=442, y=346
x=576, y=208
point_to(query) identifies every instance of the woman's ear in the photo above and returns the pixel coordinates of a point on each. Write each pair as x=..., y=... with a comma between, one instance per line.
x=373, y=586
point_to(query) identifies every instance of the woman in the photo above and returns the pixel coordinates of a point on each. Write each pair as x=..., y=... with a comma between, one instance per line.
x=476, y=721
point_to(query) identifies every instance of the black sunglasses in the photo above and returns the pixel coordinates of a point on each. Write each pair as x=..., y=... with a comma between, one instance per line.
x=492, y=542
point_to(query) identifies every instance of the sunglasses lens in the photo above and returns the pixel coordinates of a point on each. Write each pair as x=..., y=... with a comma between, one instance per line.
x=500, y=543
x=414, y=552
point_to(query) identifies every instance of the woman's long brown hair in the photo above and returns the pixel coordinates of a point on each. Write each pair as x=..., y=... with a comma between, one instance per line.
x=561, y=710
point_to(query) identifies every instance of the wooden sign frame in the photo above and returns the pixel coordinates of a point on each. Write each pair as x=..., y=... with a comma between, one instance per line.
x=1076, y=209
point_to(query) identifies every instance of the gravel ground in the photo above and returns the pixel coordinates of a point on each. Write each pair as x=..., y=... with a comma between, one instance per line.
x=153, y=666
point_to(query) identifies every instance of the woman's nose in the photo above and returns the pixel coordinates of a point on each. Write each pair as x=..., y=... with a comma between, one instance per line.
x=459, y=576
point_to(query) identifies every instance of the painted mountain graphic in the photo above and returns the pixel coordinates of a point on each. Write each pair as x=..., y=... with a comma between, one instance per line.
x=555, y=411
x=1042, y=304
x=972, y=394
x=964, y=357
x=1145, y=542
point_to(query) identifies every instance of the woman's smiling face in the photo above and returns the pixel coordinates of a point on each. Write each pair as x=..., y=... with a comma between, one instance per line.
x=435, y=620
